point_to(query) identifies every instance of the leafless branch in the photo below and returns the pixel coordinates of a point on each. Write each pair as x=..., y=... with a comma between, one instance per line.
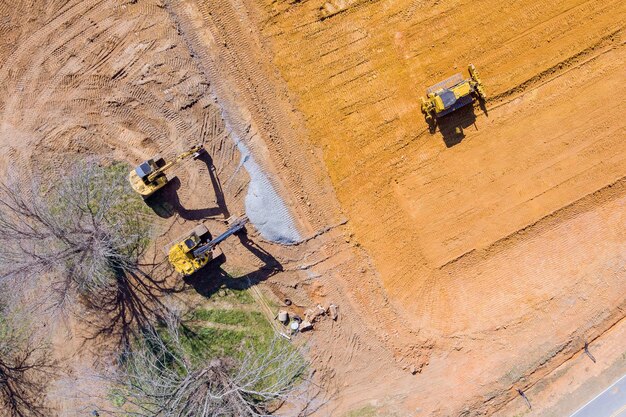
x=25, y=367
x=86, y=235
x=162, y=377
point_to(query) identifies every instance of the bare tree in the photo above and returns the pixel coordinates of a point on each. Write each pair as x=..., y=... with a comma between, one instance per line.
x=162, y=377
x=25, y=367
x=85, y=239
x=86, y=235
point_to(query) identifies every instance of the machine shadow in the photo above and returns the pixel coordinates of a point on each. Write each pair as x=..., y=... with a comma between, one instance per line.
x=210, y=279
x=452, y=125
x=482, y=103
x=217, y=185
x=166, y=202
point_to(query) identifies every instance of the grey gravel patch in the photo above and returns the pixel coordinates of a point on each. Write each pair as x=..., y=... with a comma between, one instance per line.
x=264, y=207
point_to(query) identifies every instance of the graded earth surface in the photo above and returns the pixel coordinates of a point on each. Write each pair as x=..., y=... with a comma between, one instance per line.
x=468, y=262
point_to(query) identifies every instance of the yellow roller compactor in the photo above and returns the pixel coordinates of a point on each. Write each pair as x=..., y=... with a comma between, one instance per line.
x=195, y=251
x=150, y=176
x=452, y=94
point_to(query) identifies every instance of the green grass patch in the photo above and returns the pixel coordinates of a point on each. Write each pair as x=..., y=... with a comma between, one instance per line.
x=207, y=342
x=367, y=411
x=231, y=317
x=204, y=333
x=235, y=296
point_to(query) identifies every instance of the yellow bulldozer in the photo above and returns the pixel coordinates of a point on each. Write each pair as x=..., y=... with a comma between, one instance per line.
x=150, y=176
x=452, y=94
x=195, y=251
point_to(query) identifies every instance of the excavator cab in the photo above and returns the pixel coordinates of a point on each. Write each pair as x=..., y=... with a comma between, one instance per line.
x=148, y=167
x=194, y=251
x=192, y=242
x=181, y=255
x=149, y=176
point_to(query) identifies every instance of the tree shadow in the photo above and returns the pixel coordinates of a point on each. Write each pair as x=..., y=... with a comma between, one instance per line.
x=131, y=304
x=210, y=279
x=27, y=368
x=166, y=202
x=452, y=125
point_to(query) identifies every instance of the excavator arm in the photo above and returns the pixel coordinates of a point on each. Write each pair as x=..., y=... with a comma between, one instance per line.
x=187, y=258
x=195, y=151
x=209, y=246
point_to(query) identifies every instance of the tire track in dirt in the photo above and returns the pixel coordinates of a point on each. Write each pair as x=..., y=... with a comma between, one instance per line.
x=38, y=38
x=368, y=290
x=278, y=131
x=583, y=204
x=604, y=45
x=356, y=78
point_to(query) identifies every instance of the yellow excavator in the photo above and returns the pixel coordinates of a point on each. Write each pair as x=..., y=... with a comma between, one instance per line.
x=452, y=94
x=150, y=176
x=195, y=251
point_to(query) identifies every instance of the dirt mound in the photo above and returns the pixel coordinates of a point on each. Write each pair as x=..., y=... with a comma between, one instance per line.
x=264, y=207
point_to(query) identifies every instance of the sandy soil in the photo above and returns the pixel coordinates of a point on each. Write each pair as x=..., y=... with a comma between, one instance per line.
x=466, y=266
x=505, y=242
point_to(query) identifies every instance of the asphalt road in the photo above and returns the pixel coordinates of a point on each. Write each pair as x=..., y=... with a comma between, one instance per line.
x=610, y=403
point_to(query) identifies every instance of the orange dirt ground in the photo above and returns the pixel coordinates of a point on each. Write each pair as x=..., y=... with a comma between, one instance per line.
x=467, y=263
